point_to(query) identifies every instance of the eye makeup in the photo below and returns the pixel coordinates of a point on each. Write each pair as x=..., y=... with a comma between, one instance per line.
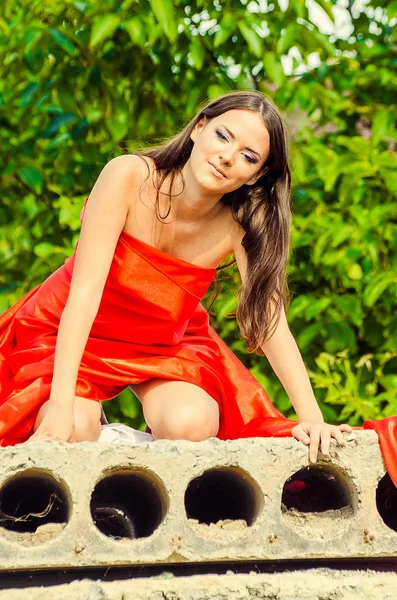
x=222, y=136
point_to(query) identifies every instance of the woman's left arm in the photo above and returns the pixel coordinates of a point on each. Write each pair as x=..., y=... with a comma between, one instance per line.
x=285, y=359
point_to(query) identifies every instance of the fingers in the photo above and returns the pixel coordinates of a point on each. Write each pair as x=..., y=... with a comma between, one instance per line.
x=325, y=441
x=346, y=427
x=300, y=434
x=45, y=437
x=314, y=442
x=318, y=435
x=338, y=435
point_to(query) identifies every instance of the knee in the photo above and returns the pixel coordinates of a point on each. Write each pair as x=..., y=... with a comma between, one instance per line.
x=86, y=430
x=87, y=421
x=188, y=424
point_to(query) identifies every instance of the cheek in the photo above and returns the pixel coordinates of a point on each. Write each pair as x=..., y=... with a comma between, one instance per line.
x=198, y=151
x=206, y=145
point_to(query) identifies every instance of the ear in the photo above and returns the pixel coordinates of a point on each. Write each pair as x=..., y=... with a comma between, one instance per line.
x=198, y=127
x=255, y=178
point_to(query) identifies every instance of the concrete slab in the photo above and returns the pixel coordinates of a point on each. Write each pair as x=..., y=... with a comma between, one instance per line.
x=178, y=501
x=317, y=584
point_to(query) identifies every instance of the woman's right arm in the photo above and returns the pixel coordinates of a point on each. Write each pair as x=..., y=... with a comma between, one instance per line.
x=104, y=218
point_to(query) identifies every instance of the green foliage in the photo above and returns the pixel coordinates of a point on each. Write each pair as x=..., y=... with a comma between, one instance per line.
x=80, y=80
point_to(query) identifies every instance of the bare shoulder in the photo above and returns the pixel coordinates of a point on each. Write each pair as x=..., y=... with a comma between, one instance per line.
x=139, y=172
x=135, y=164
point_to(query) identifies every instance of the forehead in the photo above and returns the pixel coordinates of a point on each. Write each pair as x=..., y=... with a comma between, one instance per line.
x=247, y=126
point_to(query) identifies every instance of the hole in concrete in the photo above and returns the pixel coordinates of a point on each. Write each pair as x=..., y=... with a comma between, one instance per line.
x=129, y=504
x=31, y=499
x=386, y=501
x=317, y=493
x=316, y=489
x=224, y=495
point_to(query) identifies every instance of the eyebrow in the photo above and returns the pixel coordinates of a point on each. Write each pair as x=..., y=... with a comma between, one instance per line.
x=233, y=136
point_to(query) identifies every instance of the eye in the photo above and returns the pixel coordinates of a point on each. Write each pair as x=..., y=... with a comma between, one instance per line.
x=220, y=135
x=250, y=159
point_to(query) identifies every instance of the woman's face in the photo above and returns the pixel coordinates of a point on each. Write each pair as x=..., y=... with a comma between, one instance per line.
x=237, y=143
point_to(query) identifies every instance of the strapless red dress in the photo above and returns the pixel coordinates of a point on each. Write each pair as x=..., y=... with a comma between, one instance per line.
x=150, y=323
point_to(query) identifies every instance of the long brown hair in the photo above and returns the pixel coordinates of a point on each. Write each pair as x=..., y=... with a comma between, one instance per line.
x=263, y=210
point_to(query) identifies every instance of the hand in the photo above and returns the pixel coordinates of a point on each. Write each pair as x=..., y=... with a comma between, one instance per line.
x=313, y=433
x=57, y=424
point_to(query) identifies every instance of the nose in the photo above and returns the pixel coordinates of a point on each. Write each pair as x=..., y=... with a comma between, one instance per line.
x=226, y=157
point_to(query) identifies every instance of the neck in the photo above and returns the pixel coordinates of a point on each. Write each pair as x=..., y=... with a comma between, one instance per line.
x=190, y=202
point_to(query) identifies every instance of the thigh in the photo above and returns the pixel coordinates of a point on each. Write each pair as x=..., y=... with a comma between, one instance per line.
x=162, y=399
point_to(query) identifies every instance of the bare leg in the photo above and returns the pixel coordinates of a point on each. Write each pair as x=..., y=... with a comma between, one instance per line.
x=178, y=410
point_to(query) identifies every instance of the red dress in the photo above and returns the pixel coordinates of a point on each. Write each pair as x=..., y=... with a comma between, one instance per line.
x=150, y=323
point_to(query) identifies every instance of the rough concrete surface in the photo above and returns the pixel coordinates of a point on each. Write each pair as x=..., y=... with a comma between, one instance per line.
x=198, y=501
x=316, y=584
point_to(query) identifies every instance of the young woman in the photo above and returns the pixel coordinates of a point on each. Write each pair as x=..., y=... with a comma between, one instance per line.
x=124, y=309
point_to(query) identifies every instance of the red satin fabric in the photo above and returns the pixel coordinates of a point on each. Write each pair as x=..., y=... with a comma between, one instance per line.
x=150, y=323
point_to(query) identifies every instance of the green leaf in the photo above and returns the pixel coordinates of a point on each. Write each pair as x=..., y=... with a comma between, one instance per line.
x=63, y=42
x=380, y=125
x=198, y=52
x=377, y=286
x=341, y=235
x=4, y=303
x=321, y=41
x=287, y=38
x=273, y=68
x=282, y=401
x=229, y=306
x=260, y=376
x=214, y=90
x=253, y=40
x=128, y=406
x=355, y=272
x=391, y=9
x=339, y=337
x=327, y=7
x=118, y=122
x=104, y=27
x=350, y=306
x=298, y=306
x=356, y=144
x=317, y=307
x=44, y=249
x=164, y=13
x=135, y=29
x=359, y=169
x=228, y=25
x=300, y=8
x=67, y=99
x=322, y=361
x=389, y=381
x=32, y=177
x=390, y=180
x=320, y=247
x=308, y=335
x=27, y=96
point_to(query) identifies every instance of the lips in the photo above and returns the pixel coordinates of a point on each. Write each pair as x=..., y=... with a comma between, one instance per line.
x=217, y=169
